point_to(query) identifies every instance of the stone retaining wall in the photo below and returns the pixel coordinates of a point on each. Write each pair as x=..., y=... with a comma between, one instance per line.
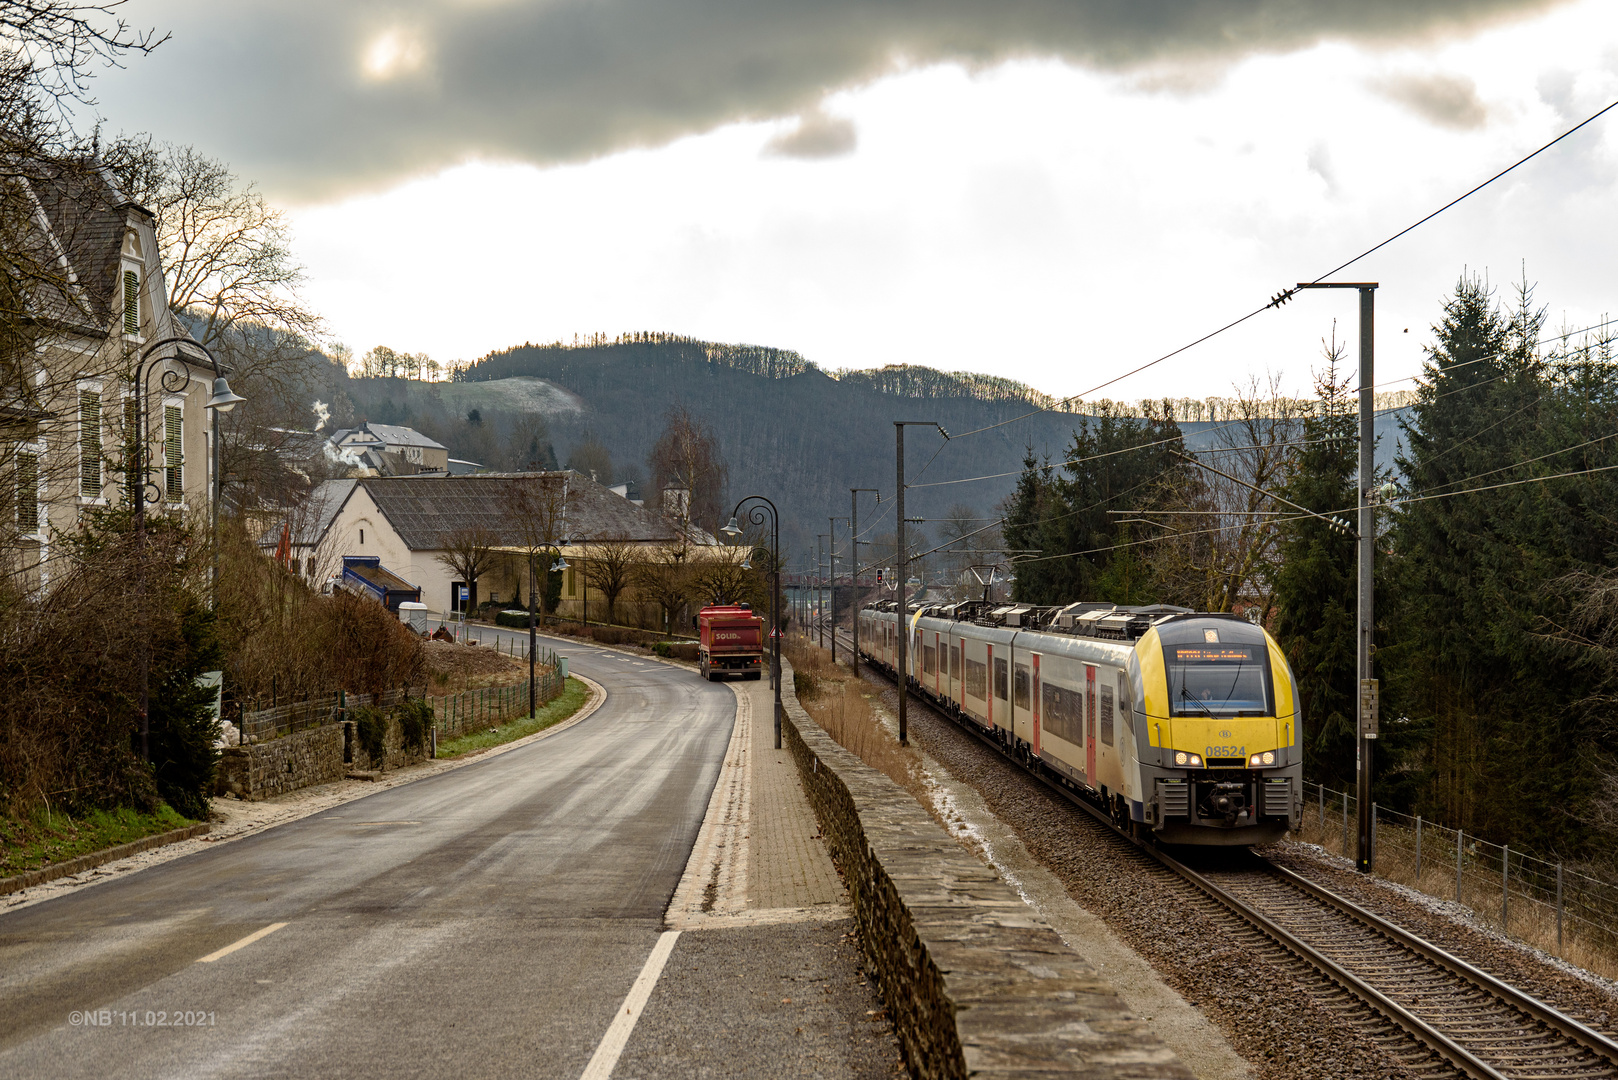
x=979, y=985
x=277, y=766
x=309, y=757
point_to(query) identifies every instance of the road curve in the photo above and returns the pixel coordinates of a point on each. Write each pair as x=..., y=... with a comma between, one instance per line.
x=483, y=922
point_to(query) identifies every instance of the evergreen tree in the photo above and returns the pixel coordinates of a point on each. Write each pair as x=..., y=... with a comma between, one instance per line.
x=1114, y=462
x=1500, y=708
x=1315, y=585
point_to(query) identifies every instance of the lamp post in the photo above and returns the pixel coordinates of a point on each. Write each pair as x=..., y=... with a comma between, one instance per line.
x=756, y=515
x=854, y=561
x=1365, y=742
x=904, y=569
x=220, y=400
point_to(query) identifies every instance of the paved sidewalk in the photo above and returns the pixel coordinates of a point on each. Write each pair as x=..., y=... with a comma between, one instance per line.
x=789, y=866
x=759, y=857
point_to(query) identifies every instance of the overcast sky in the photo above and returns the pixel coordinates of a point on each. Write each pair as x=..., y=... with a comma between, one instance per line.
x=1050, y=190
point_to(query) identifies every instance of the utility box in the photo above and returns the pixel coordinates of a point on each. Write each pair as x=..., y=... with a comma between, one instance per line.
x=413, y=614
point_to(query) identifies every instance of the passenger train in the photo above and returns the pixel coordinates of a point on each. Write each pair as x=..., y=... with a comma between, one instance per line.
x=1183, y=726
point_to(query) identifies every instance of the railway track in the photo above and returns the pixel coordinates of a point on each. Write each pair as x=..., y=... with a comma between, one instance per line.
x=1431, y=1011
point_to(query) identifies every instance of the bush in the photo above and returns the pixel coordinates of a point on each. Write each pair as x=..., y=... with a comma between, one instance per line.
x=513, y=618
x=371, y=732
x=805, y=685
x=415, y=718
x=663, y=648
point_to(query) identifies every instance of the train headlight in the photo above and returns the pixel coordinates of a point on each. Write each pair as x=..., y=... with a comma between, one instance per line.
x=1183, y=758
x=1266, y=758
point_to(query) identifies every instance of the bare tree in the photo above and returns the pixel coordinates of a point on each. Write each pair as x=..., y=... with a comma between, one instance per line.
x=470, y=552
x=720, y=577
x=609, y=567
x=590, y=457
x=663, y=577
x=227, y=253
x=1219, y=540
x=687, y=456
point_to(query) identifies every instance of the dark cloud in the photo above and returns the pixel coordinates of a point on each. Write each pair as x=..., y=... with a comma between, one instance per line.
x=1446, y=100
x=281, y=88
x=816, y=136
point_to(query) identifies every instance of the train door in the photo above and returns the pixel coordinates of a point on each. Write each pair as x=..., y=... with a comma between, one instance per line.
x=1090, y=724
x=940, y=661
x=1035, y=739
x=989, y=690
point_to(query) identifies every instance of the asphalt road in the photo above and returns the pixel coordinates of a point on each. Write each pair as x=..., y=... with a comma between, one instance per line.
x=484, y=922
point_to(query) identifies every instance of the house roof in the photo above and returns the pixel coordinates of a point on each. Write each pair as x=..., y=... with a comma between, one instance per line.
x=427, y=510
x=394, y=435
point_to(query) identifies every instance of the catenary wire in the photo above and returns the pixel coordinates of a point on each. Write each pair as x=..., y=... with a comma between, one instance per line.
x=1315, y=281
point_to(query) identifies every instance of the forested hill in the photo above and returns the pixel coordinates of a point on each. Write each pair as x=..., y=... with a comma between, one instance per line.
x=789, y=430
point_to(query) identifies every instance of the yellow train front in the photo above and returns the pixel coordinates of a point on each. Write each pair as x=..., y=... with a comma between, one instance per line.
x=1183, y=725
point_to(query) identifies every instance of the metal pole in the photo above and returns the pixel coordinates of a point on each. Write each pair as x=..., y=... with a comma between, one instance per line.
x=1505, y=886
x=1366, y=743
x=904, y=571
x=775, y=617
x=831, y=571
x=820, y=584
x=1459, y=834
x=532, y=633
x=1365, y=730
x=213, y=511
x=1418, y=851
x=854, y=573
x=1558, y=909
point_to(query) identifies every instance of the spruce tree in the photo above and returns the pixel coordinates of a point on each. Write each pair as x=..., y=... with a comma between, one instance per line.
x=1315, y=585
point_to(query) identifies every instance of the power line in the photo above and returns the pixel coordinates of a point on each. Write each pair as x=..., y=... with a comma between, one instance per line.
x=1286, y=294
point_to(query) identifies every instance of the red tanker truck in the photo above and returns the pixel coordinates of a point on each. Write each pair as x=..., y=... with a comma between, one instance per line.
x=732, y=642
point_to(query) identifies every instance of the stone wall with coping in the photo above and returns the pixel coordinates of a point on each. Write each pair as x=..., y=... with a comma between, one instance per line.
x=305, y=758
x=979, y=985
x=277, y=766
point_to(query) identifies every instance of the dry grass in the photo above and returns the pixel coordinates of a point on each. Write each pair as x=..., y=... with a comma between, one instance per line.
x=846, y=708
x=453, y=667
x=1530, y=921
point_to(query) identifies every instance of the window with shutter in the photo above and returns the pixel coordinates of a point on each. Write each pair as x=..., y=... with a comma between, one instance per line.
x=90, y=443
x=131, y=302
x=172, y=458
x=27, y=492
x=131, y=447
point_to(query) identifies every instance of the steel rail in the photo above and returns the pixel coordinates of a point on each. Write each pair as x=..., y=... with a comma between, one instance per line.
x=1415, y=1027
x=1563, y=1024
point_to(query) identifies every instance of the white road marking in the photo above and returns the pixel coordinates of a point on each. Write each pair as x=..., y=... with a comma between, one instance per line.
x=605, y=1059
x=242, y=944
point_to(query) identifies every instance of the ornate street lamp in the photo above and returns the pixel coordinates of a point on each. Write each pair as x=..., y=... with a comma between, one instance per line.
x=221, y=399
x=756, y=516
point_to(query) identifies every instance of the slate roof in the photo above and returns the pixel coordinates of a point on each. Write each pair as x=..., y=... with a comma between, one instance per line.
x=426, y=510
x=87, y=216
x=394, y=435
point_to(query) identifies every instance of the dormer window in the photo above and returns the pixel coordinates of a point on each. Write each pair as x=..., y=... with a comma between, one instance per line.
x=131, y=302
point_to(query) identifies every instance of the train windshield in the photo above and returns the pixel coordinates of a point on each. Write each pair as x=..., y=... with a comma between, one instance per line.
x=1218, y=680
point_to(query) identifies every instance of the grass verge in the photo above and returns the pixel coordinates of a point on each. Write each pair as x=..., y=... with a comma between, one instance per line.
x=43, y=839
x=572, y=698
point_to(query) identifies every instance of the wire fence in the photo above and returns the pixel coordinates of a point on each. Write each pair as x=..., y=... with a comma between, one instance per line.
x=454, y=714
x=1557, y=907
x=476, y=710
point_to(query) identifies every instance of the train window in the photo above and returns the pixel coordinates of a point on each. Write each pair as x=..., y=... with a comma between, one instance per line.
x=955, y=661
x=1106, y=715
x=1022, y=687
x=1061, y=714
x=1218, y=680
x=977, y=682
x=1124, y=701
x=929, y=660
x=1001, y=690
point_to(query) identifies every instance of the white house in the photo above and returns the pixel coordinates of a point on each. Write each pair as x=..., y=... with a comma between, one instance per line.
x=110, y=372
